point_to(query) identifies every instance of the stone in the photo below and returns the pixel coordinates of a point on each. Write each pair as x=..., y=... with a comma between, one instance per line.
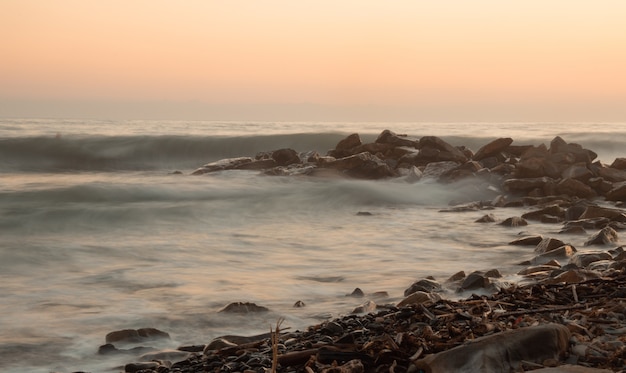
x=564, y=251
x=489, y=218
x=362, y=165
x=243, y=307
x=425, y=285
x=135, y=335
x=224, y=164
x=141, y=367
x=169, y=355
x=501, y=352
x=548, y=244
x=475, y=280
x=349, y=142
x=436, y=169
x=582, y=260
x=390, y=137
x=605, y=236
x=285, y=157
x=537, y=269
x=617, y=192
x=514, y=221
x=575, y=188
x=441, y=145
x=419, y=297
x=577, y=171
x=492, y=148
x=571, y=276
x=367, y=307
x=612, y=174
x=526, y=184
x=593, y=212
x=553, y=210
x=527, y=241
x=619, y=163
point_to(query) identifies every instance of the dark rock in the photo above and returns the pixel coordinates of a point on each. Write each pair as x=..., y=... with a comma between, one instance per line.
x=594, y=212
x=489, y=218
x=527, y=241
x=578, y=172
x=425, y=285
x=456, y=277
x=439, y=144
x=419, y=297
x=564, y=251
x=357, y=293
x=362, y=165
x=367, y=307
x=548, y=244
x=514, y=221
x=261, y=164
x=501, y=352
x=224, y=164
x=390, y=137
x=573, y=187
x=619, y=163
x=141, y=367
x=553, y=210
x=524, y=185
x=243, y=307
x=492, y=148
x=612, y=174
x=285, y=157
x=135, y=335
x=475, y=280
x=349, y=142
x=582, y=260
x=605, y=236
x=617, y=193
x=299, y=304
x=436, y=169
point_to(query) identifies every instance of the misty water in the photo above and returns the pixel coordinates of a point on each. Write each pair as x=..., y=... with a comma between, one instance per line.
x=98, y=234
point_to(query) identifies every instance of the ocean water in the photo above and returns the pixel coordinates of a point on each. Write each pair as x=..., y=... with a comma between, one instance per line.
x=97, y=234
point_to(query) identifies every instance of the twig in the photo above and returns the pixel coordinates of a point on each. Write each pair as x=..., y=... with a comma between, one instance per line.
x=553, y=309
x=274, y=339
x=574, y=293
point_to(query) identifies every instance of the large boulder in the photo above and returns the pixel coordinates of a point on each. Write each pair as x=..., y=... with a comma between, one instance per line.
x=285, y=157
x=501, y=352
x=391, y=138
x=619, y=163
x=575, y=188
x=605, y=236
x=617, y=193
x=135, y=335
x=362, y=165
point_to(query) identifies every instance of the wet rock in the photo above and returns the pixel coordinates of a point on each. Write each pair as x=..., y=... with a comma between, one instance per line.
x=475, y=280
x=299, y=304
x=515, y=221
x=349, y=142
x=489, y=218
x=582, y=260
x=362, y=165
x=502, y=352
x=605, y=236
x=495, y=147
x=619, y=163
x=527, y=241
x=243, y=307
x=224, y=164
x=564, y=251
x=537, y=269
x=357, y=293
x=571, y=276
x=524, y=185
x=551, y=210
x=617, y=193
x=441, y=145
x=575, y=188
x=390, y=137
x=612, y=174
x=425, y=285
x=139, y=367
x=419, y=297
x=367, y=307
x=578, y=172
x=285, y=157
x=135, y=335
x=456, y=277
x=548, y=244
x=165, y=355
x=435, y=170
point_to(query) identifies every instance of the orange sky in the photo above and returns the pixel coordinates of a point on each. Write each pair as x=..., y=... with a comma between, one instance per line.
x=408, y=59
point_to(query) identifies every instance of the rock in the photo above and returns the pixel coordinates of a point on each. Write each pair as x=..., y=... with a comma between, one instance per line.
x=390, y=137
x=538, y=268
x=349, y=142
x=456, y=277
x=548, y=244
x=139, y=367
x=299, y=304
x=489, y=218
x=169, y=355
x=527, y=241
x=425, y=285
x=527, y=184
x=514, y=221
x=439, y=144
x=243, y=307
x=135, y=335
x=358, y=293
x=572, y=276
x=578, y=172
x=493, y=148
x=617, y=193
x=285, y=157
x=575, y=188
x=564, y=251
x=362, y=165
x=502, y=352
x=552, y=210
x=605, y=236
x=612, y=174
x=419, y=297
x=582, y=260
x=475, y=280
x=367, y=307
x=224, y=164
x=435, y=170
x=619, y=163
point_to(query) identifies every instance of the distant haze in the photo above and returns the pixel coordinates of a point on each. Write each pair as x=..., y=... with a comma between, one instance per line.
x=353, y=60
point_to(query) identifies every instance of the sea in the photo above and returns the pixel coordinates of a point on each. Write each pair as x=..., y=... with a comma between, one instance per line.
x=103, y=228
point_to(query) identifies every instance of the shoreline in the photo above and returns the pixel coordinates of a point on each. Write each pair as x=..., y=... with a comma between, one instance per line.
x=560, y=183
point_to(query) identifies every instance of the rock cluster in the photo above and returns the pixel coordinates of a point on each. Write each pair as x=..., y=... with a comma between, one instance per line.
x=566, y=314
x=521, y=170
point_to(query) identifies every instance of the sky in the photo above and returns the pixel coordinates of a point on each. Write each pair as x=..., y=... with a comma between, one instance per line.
x=399, y=60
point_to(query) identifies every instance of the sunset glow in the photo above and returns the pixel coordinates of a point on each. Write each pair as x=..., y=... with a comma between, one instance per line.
x=483, y=59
